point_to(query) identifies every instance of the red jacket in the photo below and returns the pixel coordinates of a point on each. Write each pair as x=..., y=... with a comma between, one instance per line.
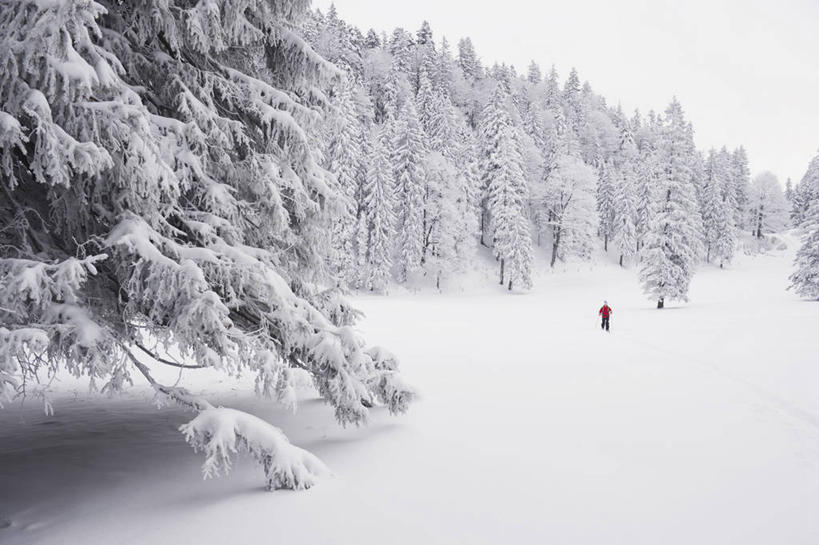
x=605, y=310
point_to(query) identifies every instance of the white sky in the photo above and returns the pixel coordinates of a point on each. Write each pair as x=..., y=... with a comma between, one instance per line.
x=746, y=71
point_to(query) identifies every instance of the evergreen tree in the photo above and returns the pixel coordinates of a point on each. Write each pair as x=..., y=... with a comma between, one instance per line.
x=534, y=76
x=505, y=193
x=741, y=186
x=379, y=215
x=424, y=35
x=626, y=193
x=372, y=40
x=400, y=49
x=805, y=192
x=406, y=156
x=805, y=279
x=182, y=211
x=444, y=67
x=552, y=95
x=673, y=243
x=468, y=59
x=606, y=195
x=717, y=214
x=426, y=102
x=573, y=103
x=344, y=156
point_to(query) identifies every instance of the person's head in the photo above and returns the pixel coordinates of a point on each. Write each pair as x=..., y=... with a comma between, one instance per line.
x=606, y=303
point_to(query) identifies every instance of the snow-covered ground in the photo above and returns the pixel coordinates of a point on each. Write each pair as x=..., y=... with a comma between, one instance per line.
x=698, y=424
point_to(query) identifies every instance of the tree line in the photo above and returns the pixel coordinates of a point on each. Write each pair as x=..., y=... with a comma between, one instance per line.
x=440, y=155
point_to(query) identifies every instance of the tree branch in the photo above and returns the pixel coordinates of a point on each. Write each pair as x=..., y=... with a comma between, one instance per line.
x=165, y=361
x=180, y=395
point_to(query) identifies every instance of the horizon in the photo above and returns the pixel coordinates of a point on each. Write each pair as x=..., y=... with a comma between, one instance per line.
x=762, y=35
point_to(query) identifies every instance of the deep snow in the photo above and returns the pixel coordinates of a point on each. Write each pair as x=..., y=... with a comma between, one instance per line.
x=691, y=425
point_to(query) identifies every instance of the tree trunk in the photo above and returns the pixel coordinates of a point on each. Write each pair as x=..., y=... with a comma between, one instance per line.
x=621, y=260
x=605, y=243
x=510, y=284
x=501, y=271
x=555, y=244
x=661, y=303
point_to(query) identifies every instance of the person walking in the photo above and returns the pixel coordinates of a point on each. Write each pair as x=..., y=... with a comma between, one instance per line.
x=605, y=311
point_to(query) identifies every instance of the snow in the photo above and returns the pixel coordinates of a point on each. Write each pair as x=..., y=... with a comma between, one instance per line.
x=698, y=423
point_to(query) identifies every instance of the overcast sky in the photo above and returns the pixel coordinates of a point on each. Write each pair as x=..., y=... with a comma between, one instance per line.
x=746, y=71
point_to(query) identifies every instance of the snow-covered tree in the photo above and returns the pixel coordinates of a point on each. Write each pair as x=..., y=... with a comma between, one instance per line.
x=768, y=210
x=468, y=59
x=625, y=204
x=626, y=195
x=805, y=279
x=406, y=156
x=378, y=217
x=606, y=195
x=717, y=212
x=741, y=177
x=506, y=193
x=163, y=193
x=570, y=203
x=673, y=243
x=344, y=156
x=806, y=191
x=534, y=75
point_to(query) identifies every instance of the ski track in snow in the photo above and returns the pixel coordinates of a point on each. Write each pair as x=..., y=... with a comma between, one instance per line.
x=695, y=424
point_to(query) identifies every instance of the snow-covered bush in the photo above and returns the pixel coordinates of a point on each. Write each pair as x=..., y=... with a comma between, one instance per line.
x=162, y=191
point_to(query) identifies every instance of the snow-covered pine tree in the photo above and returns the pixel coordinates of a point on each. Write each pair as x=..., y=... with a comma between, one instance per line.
x=607, y=187
x=181, y=209
x=379, y=214
x=372, y=41
x=344, y=156
x=625, y=196
x=400, y=49
x=505, y=193
x=406, y=156
x=444, y=68
x=717, y=212
x=424, y=35
x=805, y=279
x=468, y=59
x=552, y=97
x=573, y=103
x=741, y=177
x=673, y=243
x=806, y=191
x=534, y=75
x=426, y=101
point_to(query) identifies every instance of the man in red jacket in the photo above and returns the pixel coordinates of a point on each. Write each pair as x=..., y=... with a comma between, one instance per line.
x=605, y=312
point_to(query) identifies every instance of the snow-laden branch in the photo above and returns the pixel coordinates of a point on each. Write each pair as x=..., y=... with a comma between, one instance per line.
x=220, y=433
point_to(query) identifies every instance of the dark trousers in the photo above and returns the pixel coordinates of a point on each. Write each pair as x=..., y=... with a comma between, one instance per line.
x=605, y=324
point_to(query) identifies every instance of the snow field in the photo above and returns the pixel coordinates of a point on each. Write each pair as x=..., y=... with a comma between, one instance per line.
x=695, y=424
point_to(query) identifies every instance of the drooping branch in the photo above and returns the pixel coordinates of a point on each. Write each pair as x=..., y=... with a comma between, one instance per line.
x=179, y=395
x=165, y=361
